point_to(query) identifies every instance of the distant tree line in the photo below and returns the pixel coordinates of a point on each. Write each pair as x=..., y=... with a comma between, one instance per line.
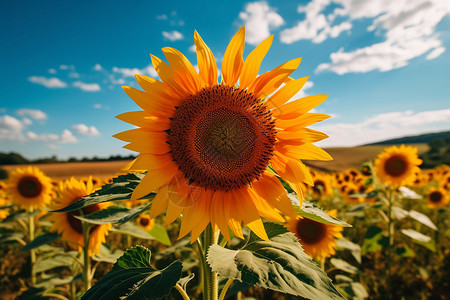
x=13, y=158
x=439, y=154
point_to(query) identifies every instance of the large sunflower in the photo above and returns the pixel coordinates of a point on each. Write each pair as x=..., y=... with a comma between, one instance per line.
x=68, y=225
x=213, y=151
x=397, y=166
x=29, y=187
x=318, y=239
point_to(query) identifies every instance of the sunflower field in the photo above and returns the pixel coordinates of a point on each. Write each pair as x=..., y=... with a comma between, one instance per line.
x=219, y=205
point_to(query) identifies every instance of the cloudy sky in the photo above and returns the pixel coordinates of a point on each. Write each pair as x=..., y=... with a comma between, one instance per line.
x=385, y=64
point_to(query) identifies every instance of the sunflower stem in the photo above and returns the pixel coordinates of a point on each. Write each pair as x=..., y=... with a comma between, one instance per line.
x=31, y=230
x=210, y=283
x=225, y=289
x=391, y=244
x=182, y=292
x=87, y=261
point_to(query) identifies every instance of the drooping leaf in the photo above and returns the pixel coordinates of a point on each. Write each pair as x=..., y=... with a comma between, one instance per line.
x=343, y=265
x=424, y=219
x=399, y=213
x=41, y=240
x=114, y=214
x=20, y=215
x=106, y=255
x=133, y=230
x=120, y=189
x=132, y=277
x=313, y=212
x=404, y=251
x=373, y=240
x=354, y=290
x=278, y=264
x=355, y=249
x=159, y=233
x=420, y=238
x=56, y=261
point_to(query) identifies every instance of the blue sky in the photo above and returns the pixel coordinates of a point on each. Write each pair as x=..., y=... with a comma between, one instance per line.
x=385, y=64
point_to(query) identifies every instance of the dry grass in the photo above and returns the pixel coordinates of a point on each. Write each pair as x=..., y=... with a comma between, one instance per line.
x=353, y=157
x=59, y=171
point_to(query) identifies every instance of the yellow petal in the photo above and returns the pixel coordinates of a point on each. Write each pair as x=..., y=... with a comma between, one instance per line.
x=146, y=147
x=220, y=211
x=265, y=210
x=204, y=215
x=160, y=202
x=232, y=59
x=169, y=77
x=172, y=213
x=158, y=91
x=301, y=121
x=206, y=62
x=187, y=75
x=268, y=82
x=145, y=102
x=250, y=212
x=305, y=135
x=291, y=170
x=236, y=227
x=252, y=63
x=310, y=152
x=142, y=135
x=146, y=161
x=286, y=92
x=298, y=107
x=153, y=181
x=143, y=119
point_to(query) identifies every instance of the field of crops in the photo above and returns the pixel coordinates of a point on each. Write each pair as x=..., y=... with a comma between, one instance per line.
x=375, y=238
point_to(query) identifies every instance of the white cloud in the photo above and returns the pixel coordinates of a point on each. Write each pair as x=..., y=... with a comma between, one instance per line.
x=87, y=87
x=67, y=137
x=27, y=121
x=161, y=17
x=85, y=130
x=385, y=126
x=259, y=18
x=74, y=74
x=11, y=129
x=98, y=106
x=316, y=26
x=52, y=71
x=63, y=67
x=192, y=48
x=33, y=113
x=435, y=53
x=97, y=67
x=51, y=83
x=130, y=72
x=173, y=35
x=408, y=26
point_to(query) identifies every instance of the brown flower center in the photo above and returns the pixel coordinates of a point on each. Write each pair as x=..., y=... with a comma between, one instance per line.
x=310, y=232
x=144, y=221
x=29, y=187
x=435, y=196
x=76, y=223
x=222, y=138
x=395, y=166
x=319, y=186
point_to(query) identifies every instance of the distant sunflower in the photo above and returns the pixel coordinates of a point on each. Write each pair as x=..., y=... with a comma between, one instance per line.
x=145, y=222
x=318, y=239
x=3, y=201
x=322, y=186
x=68, y=225
x=29, y=187
x=208, y=147
x=397, y=166
x=437, y=198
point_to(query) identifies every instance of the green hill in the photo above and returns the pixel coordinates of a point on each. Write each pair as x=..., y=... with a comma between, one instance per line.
x=416, y=139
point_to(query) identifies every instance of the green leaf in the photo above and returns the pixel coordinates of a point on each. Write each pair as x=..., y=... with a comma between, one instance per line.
x=420, y=239
x=343, y=266
x=420, y=217
x=313, y=212
x=404, y=251
x=120, y=189
x=41, y=240
x=373, y=240
x=10, y=236
x=56, y=261
x=132, y=277
x=20, y=215
x=279, y=264
x=133, y=230
x=159, y=233
x=114, y=214
x=354, y=290
x=355, y=249
x=106, y=255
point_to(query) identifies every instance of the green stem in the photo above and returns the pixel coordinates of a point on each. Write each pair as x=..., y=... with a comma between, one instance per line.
x=182, y=292
x=225, y=289
x=210, y=283
x=32, y=252
x=87, y=260
x=391, y=243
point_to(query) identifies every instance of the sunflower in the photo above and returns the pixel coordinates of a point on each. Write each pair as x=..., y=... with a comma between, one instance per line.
x=322, y=186
x=318, y=239
x=397, y=166
x=213, y=151
x=68, y=225
x=3, y=201
x=145, y=222
x=29, y=187
x=437, y=198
